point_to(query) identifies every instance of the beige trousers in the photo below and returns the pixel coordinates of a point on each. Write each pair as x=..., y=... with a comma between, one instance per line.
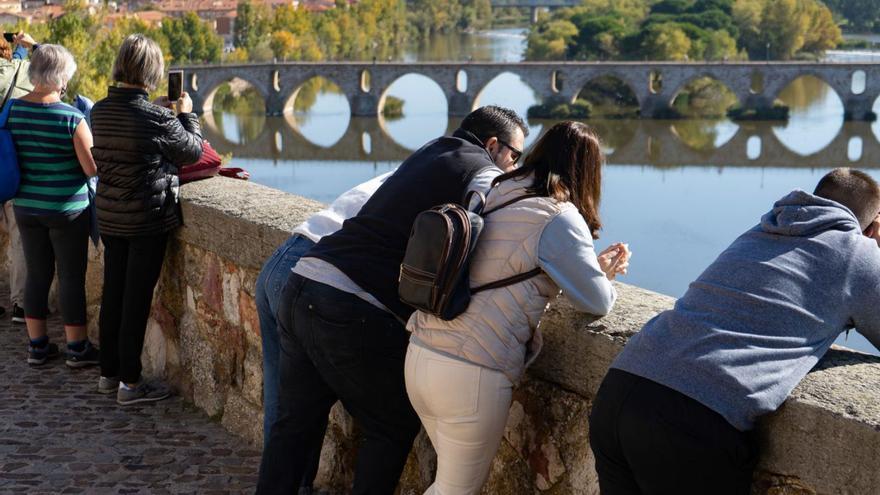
x=14, y=256
x=463, y=408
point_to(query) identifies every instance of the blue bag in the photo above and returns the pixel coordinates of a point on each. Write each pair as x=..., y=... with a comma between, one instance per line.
x=10, y=176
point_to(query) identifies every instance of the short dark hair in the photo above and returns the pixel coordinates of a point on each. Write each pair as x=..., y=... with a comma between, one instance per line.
x=491, y=121
x=854, y=189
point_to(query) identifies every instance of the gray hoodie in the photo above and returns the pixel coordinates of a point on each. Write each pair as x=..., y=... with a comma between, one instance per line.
x=763, y=314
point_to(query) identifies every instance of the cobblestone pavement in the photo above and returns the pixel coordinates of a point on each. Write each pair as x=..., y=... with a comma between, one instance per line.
x=58, y=435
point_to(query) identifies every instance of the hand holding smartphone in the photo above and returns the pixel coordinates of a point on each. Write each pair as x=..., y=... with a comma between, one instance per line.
x=175, y=85
x=9, y=37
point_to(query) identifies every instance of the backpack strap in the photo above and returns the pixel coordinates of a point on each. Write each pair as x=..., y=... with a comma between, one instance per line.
x=478, y=209
x=504, y=282
x=512, y=201
x=12, y=84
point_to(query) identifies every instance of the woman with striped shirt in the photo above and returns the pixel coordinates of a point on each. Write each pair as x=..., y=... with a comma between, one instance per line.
x=53, y=143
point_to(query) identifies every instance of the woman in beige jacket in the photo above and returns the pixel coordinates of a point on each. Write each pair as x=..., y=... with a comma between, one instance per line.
x=460, y=373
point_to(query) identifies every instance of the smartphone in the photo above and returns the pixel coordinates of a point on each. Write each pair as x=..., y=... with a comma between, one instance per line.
x=9, y=37
x=175, y=84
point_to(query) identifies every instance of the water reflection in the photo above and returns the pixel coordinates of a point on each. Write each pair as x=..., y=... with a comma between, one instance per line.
x=678, y=191
x=424, y=111
x=816, y=115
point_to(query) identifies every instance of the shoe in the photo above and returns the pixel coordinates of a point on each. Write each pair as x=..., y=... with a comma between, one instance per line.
x=108, y=385
x=143, y=392
x=39, y=355
x=87, y=357
x=2, y=311
x=18, y=314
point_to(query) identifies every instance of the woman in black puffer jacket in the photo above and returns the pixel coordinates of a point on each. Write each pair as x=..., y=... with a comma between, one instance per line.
x=138, y=148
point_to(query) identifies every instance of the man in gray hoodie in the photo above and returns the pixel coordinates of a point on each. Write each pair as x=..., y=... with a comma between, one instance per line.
x=676, y=411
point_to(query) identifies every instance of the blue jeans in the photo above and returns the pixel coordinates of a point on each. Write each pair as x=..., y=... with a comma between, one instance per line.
x=269, y=285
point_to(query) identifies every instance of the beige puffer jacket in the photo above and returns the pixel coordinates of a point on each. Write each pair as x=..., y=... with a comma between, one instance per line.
x=499, y=329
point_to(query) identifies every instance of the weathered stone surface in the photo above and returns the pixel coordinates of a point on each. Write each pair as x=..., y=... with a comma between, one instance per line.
x=204, y=338
x=58, y=435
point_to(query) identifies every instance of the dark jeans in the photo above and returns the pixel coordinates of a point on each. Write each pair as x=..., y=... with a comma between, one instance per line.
x=47, y=239
x=270, y=283
x=131, y=270
x=335, y=345
x=651, y=439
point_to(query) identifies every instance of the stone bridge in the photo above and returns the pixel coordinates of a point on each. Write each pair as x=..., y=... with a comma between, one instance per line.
x=655, y=84
x=631, y=142
x=534, y=5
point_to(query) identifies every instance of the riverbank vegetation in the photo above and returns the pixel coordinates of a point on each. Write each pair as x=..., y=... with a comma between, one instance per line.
x=685, y=30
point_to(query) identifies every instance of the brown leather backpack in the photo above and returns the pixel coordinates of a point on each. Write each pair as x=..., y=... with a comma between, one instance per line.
x=434, y=275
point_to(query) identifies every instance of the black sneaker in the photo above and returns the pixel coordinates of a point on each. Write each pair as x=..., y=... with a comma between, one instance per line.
x=18, y=315
x=142, y=392
x=87, y=357
x=39, y=355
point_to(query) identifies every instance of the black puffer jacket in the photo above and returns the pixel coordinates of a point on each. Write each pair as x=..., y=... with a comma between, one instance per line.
x=138, y=149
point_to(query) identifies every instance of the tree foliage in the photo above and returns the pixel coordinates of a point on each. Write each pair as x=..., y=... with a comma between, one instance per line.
x=684, y=30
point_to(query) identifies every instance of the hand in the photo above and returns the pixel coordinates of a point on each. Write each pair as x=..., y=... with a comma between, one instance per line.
x=163, y=101
x=873, y=230
x=184, y=104
x=614, y=260
x=24, y=39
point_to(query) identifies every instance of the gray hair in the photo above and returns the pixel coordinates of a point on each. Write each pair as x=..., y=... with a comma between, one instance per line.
x=139, y=62
x=51, y=66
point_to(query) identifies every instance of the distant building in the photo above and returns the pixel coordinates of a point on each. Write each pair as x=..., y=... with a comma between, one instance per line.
x=9, y=18
x=10, y=6
x=152, y=18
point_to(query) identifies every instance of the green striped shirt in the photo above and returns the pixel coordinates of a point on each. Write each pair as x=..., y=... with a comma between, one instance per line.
x=52, y=180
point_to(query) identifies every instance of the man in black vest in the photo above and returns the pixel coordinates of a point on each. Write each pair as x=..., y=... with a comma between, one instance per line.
x=342, y=326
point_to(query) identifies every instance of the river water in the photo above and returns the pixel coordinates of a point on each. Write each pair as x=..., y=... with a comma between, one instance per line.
x=677, y=208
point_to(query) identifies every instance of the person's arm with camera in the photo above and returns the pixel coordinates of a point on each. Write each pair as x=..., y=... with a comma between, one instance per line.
x=23, y=42
x=182, y=143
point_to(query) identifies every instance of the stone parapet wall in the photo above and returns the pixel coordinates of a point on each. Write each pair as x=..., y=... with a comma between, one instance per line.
x=203, y=337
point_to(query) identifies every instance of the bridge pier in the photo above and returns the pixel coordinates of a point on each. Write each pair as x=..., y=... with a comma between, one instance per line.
x=534, y=13
x=363, y=104
x=460, y=104
x=858, y=107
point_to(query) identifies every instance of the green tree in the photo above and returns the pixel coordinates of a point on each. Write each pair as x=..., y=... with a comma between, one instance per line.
x=251, y=24
x=551, y=41
x=666, y=42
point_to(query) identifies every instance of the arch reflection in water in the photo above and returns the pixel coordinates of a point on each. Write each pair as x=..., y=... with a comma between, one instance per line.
x=510, y=91
x=854, y=149
x=424, y=111
x=238, y=111
x=816, y=116
x=705, y=134
x=321, y=112
x=643, y=142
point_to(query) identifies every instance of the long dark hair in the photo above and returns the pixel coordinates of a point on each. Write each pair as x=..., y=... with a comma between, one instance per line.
x=567, y=163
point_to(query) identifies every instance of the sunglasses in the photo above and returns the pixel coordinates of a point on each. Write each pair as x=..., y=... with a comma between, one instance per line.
x=516, y=154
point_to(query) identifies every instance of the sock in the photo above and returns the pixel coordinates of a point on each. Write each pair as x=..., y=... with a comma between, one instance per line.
x=40, y=342
x=77, y=346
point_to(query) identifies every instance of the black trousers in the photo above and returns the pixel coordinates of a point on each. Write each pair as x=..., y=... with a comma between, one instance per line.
x=650, y=439
x=336, y=346
x=131, y=270
x=47, y=239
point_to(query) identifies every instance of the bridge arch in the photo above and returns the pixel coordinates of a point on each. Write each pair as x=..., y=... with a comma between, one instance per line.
x=326, y=125
x=805, y=136
x=206, y=87
x=412, y=129
x=609, y=94
x=715, y=96
x=508, y=89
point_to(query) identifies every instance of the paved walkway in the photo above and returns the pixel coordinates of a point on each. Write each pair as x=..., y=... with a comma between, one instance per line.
x=58, y=435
